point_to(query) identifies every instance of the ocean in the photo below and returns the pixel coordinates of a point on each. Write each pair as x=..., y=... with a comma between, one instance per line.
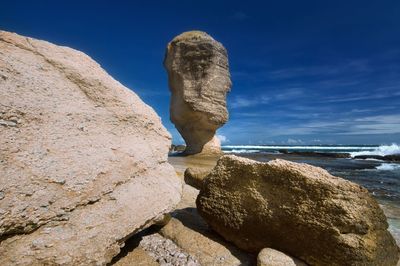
x=381, y=178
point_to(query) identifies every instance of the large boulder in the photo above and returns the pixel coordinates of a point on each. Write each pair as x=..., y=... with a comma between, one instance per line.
x=83, y=161
x=199, y=79
x=298, y=209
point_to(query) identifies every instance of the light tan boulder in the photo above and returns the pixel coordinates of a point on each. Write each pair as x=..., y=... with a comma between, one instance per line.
x=137, y=257
x=83, y=161
x=272, y=257
x=199, y=79
x=194, y=176
x=298, y=209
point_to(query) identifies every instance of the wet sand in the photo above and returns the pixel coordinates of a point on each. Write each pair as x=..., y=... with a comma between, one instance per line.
x=180, y=163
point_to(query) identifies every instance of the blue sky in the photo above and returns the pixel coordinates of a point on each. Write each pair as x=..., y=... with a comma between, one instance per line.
x=303, y=72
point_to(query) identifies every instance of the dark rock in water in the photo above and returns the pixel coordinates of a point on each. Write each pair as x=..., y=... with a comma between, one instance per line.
x=391, y=158
x=320, y=154
x=298, y=209
x=316, y=154
x=199, y=79
x=377, y=157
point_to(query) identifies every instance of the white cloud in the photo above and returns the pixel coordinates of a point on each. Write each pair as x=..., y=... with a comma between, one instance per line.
x=294, y=141
x=240, y=101
x=222, y=138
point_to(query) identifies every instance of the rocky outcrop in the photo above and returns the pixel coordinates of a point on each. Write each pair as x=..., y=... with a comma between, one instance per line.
x=298, y=209
x=272, y=257
x=191, y=233
x=194, y=176
x=199, y=79
x=83, y=160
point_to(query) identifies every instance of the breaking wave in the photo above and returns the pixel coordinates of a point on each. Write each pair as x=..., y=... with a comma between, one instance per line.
x=381, y=150
x=261, y=147
x=388, y=167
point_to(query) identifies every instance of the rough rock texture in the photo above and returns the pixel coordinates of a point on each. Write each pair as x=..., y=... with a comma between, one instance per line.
x=199, y=80
x=191, y=233
x=83, y=161
x=296, y=208
x=272, y=257
x=166, y=252
x=194, y=176
x=138, y=257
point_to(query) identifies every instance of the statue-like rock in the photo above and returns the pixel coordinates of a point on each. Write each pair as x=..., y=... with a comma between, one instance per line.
x=199, y=79
x=83, y=161
x=298, y=209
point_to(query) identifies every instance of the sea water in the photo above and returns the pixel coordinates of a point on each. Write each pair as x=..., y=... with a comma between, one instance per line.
x=381, y=178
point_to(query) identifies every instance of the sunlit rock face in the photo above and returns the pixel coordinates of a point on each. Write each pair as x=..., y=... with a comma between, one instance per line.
x=199, y=80
x=83, y=161
x=299, y=209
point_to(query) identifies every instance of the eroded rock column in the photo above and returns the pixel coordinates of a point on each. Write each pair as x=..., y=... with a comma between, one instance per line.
x=199, y=79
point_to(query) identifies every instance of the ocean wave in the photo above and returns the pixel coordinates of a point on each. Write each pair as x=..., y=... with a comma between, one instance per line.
x=381, y=151
x=388, y=167
x=241, y=151
x=261, y=147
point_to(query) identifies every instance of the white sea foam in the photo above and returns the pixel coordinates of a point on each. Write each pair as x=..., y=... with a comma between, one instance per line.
x=260, y=147
x=241, y=151
x=381, y=150
x=388, y=167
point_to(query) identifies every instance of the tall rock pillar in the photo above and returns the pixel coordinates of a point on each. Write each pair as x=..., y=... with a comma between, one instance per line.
x=199, y=79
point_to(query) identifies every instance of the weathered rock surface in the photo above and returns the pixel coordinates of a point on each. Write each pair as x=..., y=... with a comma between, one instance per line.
x=83, y=161
x=298, y=209
x=137, y=257
x=166, y=252
x=194, y=176
x=199, y=79
x=272, y=257
x=191, y=233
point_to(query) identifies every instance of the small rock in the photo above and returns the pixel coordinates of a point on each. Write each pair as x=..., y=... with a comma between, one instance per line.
x=273, y=257
x=194, y=176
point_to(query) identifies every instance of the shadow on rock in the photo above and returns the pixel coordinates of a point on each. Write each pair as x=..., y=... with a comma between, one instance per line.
x=189, y=231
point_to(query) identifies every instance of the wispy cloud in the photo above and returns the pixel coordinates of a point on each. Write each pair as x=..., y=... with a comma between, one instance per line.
x=243, y=101
x=288, y=94
x=291, y=141
x=360, y=97
x=350, y=66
